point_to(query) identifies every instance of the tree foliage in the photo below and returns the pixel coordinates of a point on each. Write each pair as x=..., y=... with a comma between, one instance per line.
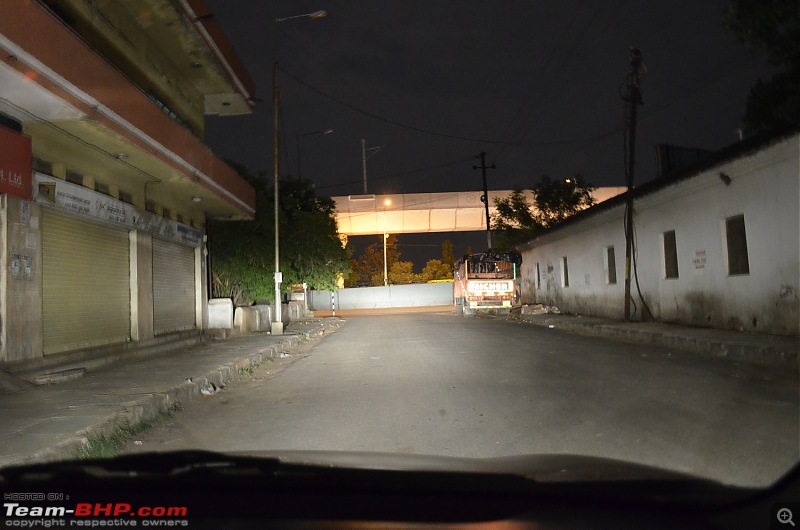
x=401, y=273
x=437, y=269
x=447, y=253
x=243, y=252
x=368, y=267
x=517, y=220
x=772, y=26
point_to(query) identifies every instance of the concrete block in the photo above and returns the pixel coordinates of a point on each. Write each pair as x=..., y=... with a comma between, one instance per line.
x=264, y=316
x=296, y=310
x=220, y=313
x=245, y=319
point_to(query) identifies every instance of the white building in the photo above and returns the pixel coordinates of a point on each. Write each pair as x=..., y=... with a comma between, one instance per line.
x=717, y=245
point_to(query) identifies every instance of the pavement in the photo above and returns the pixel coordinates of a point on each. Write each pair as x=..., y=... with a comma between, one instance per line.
x=780, y=351
x=56, y=421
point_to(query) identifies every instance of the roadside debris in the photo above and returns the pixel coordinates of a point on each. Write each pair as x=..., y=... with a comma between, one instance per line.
x=209, y=390
x=540, y=309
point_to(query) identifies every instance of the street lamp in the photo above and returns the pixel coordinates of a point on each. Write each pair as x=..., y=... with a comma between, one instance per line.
x=300, y=136
x=386, y=203
x=277, y=324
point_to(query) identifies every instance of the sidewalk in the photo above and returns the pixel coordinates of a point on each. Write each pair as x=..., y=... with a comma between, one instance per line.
x=755, y=348
x=53, y=422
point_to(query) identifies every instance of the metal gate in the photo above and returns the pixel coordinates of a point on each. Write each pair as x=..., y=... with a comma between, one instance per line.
x=85, y=283
x=173, y=287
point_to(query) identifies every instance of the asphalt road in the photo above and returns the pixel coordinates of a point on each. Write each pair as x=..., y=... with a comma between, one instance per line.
x=442, y=385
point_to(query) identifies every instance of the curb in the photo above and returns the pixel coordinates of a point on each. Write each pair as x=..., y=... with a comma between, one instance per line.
x=720, y=349
x=148, y=408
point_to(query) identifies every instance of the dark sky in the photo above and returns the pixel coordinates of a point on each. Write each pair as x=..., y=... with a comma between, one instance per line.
x=536, y=84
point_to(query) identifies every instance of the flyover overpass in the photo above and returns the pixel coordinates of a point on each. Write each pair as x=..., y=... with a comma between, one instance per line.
x=414, y=213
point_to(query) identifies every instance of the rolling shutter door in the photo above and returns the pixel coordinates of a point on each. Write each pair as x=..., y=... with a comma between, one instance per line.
x=173, y=287
x=85, y=284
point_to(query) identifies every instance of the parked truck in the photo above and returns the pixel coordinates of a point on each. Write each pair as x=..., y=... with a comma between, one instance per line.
x=485, y=282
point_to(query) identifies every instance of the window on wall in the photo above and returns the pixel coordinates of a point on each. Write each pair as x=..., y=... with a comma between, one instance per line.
x=100, y=187
x=74, y=177
x=736, y=239
x=670, y=254
x=42, y=166
x=611, y=266
x=564, y=272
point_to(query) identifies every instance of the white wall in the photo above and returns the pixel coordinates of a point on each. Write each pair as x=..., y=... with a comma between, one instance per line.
x=415, y=295
x=764, y=187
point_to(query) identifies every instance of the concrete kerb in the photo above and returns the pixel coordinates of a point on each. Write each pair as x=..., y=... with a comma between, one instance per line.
x=732, y=349
x=150, y=406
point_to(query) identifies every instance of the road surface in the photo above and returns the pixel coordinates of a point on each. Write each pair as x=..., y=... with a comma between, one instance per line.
x=442, y=385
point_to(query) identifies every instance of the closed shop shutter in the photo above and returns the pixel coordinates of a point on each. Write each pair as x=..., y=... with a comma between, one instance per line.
x=173, y=287
x=85, y=284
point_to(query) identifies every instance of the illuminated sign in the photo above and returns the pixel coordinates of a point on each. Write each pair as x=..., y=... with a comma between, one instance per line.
x=15, y=164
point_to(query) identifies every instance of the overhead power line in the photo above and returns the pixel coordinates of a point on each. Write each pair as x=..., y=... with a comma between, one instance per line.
x=401, y=173
x=447, y=135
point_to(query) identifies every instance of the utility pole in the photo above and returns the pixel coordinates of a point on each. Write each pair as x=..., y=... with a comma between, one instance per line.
x=485, y=197
x=633, y=99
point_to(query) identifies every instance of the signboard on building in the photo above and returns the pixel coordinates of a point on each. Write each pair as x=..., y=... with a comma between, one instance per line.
x=15, y=164
x=83, y=201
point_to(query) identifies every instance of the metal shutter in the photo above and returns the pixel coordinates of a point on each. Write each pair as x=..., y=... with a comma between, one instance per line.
x=85, y=284
x=173, y=287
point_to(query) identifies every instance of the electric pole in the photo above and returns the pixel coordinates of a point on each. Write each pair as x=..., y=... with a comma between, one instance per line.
x=633, y=99
x=485, y=197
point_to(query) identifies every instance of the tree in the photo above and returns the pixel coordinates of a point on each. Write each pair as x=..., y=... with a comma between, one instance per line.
x=553, y=201
x=400, y=273
x=447, y=253
x=311, y=250
x=436, y=269
x=514, y=221
x=772, y=26
x=242, y=252
x=368, y=267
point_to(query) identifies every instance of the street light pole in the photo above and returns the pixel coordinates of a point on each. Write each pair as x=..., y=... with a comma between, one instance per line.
x=277, y=323
x=386, y=203
x=385, y=275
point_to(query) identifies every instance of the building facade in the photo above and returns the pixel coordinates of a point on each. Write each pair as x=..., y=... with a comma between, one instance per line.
x=716, y=246
x=105, y=182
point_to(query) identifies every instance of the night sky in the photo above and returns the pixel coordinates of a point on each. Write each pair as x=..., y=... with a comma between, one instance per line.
x=536, y=84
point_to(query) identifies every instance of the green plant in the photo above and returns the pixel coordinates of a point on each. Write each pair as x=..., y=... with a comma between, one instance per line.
x=107, y=446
